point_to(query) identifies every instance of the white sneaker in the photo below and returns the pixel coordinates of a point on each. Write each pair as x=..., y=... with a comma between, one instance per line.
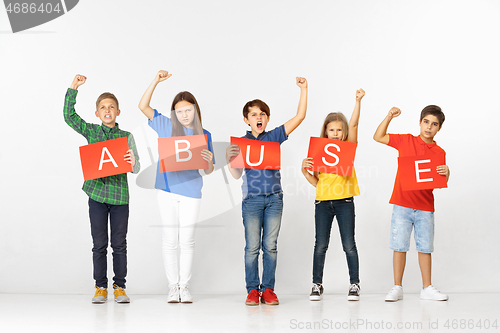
x=395, y=294
x=433, y=294
x=173, y=294
x=185, y=295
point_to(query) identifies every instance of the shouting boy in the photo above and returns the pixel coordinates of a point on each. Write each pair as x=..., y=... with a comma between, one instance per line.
x=108, y=196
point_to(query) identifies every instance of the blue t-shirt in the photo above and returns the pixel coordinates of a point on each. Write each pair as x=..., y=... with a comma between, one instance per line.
x=263, y=181
x=186, y=182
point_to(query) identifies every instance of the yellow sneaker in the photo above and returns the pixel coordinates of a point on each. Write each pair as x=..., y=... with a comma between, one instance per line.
x=120, y=295
x=101, y=295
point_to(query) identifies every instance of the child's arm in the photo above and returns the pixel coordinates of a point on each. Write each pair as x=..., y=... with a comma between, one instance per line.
x=231, y=152
x=146, y=98
x=381, y=132
x=70, y=116
x=353, y=122
x=132, y=156
x=444, y=170
x=208, y=156
x=311, y=178
x=301, y=110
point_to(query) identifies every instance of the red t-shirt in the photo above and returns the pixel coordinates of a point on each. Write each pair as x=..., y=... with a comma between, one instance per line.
x=409, y=145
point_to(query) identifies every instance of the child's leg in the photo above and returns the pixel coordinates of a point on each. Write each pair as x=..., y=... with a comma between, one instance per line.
x=98, y=213
x=398, y=263
x=118, y=218
x=323, y=218
x=424, y=241
x=344, y=210
x=401, y=227
x=252, y=210
x=425, y=262
x=168, y=207
x=272, y=223
x=188, y=216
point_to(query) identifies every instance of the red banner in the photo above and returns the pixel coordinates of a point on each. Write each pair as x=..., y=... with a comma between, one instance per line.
x=182, y=153
x=255, y=154
x=332, y=156
x=419, y=172
x=105, y=158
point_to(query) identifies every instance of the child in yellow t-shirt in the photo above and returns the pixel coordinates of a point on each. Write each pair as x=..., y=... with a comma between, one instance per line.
x=334, y=197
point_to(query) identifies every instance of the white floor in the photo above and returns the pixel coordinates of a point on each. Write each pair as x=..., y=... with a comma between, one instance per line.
x=228, y=313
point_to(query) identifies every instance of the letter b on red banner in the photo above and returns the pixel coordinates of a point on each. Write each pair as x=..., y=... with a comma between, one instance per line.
x=255, y=154
x=105, y=158
x=182, y=153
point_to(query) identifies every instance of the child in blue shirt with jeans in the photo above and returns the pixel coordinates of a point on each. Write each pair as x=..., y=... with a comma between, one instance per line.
x=262, y=204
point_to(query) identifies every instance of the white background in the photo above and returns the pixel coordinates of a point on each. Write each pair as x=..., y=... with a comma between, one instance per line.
x=402, y=53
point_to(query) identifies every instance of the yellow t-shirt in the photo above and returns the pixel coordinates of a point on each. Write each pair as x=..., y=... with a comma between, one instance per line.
x=334, y=187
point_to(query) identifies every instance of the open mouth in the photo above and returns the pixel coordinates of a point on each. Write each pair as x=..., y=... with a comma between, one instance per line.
x=107, y=116
x=259, y=124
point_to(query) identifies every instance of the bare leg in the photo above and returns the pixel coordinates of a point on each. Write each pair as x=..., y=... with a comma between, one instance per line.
x=399, y=262
x=425, y=262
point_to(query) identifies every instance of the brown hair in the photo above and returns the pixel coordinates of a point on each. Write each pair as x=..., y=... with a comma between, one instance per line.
x=435, y=111
x=177, y=128
x=336, y=116
x=258, y=103
x=104, y=96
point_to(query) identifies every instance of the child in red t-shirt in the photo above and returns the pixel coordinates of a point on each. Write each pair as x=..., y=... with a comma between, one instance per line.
x=414, y=208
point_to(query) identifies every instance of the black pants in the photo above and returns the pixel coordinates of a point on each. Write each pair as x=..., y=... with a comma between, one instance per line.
x=118, y=220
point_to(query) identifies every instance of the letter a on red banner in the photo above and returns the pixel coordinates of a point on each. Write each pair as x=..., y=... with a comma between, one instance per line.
x=255, y=154
x=419, y=172
x=332, y=156
x=105, y=158
x=182, y=153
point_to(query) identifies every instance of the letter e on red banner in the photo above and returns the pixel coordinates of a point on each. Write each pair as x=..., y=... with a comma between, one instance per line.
x=332, y=156
x=419, y=172
x=255, y=154
x=182, y=153
x=105, y=158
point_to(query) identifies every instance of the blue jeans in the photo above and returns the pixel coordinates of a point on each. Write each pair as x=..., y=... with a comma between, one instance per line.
x=324, y=214
x=262, y=222
x=118, y=220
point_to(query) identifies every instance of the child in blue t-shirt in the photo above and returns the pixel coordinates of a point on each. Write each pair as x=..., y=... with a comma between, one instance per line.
x=262, y=204
x=180, y=191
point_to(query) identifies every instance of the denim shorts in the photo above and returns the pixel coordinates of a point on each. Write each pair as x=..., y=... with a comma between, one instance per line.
x=403, y=221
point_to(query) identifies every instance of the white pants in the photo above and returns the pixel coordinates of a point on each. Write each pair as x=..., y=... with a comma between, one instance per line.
x=178, y=216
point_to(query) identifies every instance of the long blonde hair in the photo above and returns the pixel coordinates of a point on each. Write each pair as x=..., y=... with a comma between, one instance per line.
x=336, y=116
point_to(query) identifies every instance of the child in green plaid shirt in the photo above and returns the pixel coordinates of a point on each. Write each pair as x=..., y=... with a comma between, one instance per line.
x=108, y=196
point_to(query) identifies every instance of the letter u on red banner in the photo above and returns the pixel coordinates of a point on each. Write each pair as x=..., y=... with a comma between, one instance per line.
x=105, y=158
x=332, y=156
x=255, y=154
x=182, y=153
x=419, y=172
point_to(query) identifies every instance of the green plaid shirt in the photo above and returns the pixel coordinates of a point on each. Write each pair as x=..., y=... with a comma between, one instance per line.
x=113, y=189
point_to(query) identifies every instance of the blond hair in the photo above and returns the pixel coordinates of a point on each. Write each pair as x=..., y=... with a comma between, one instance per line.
x=336, y=116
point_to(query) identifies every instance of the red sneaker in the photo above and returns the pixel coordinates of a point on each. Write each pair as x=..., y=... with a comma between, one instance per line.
x=269, y=297
x=253, y=297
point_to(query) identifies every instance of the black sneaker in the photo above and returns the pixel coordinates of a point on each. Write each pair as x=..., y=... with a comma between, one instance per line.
x=353, y=294
x=316, y=292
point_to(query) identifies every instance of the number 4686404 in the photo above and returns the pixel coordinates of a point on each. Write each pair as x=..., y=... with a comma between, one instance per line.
x=32, y=8
x=471, y=324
